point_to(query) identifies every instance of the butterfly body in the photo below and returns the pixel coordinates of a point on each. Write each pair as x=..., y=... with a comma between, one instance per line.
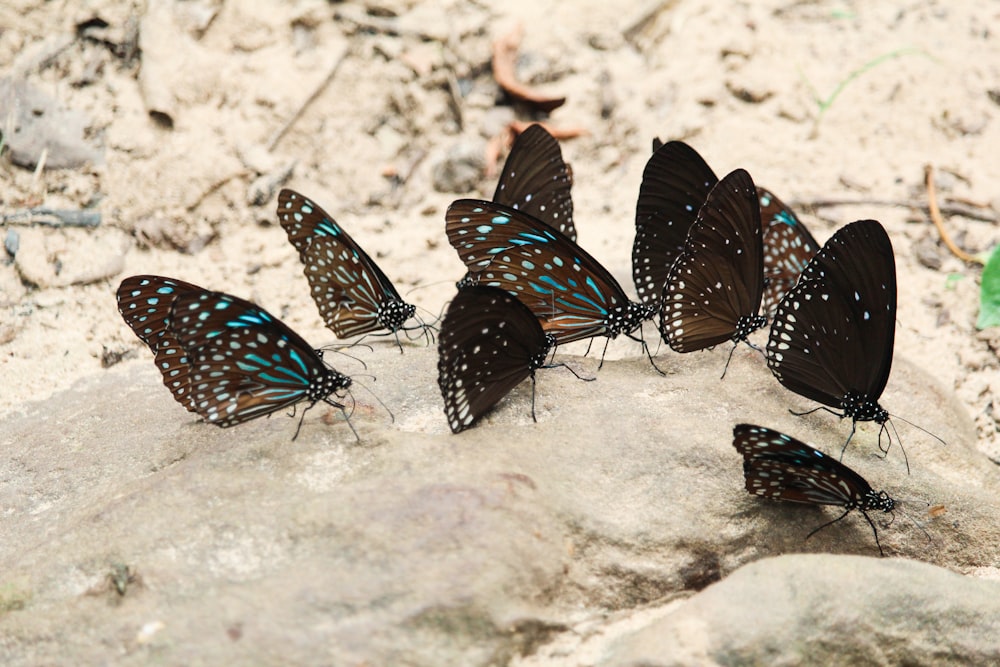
x=489, y=343
x=780, y=467
x=571, y=294
x=833, y=333
x=352, y=293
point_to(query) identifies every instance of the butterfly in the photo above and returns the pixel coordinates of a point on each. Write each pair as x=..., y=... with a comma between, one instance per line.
x=832, y=337
x=489, y=343
x=714, y=287
x=781, y=467
x=572, y=295
x=675, y=184
x=535, y=180
x=352, y=293
x=234, y=360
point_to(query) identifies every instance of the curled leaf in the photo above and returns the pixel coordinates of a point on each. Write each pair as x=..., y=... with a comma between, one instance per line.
x=504, y=66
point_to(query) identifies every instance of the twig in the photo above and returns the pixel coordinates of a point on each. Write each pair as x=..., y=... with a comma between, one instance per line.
x=939, y=223
x=637, y=25
x=309, y=100
x=504, y=66
x=953, y=208
x=53, y=217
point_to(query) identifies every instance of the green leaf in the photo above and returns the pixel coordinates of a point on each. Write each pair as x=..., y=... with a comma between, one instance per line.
x=989, y=293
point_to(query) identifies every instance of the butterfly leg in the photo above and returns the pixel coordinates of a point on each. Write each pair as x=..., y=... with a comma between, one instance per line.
x=830, y=523
x=874, y=532
x=854, y=427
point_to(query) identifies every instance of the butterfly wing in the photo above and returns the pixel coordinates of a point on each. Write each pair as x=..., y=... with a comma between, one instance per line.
x=788, y=248
x=536, y=180
x=717, y=280
x=833, y=333
x=351, y=292
x=675, y=184
x=490, y=342
x=245, y=363
x=778, y=466
x=569, y=291
x=144, y=303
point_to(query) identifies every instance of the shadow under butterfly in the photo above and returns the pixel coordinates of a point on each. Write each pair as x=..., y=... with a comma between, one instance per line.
x=780, y=467
x=573, y=296
x=489, y=343
x=713, y=291
x=224, y=358
x=675, y=185
x=832, y=337
x=352, y=293
x=535, y=180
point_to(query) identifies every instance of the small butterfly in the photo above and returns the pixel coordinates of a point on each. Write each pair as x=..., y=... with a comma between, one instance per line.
x=234, y=361
x=780, y=467
x=352, y=293
x=832, y=337
x=490, y=342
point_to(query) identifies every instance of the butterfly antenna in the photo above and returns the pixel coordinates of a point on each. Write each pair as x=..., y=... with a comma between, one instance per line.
x=392, y=417
x=885, y=451
x=912, y=520
x=921, y=428
x=349, y=356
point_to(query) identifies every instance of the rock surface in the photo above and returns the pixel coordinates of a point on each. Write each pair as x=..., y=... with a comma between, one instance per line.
x=419, y=547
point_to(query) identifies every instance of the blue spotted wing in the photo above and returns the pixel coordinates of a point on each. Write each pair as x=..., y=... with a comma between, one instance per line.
x=788, y=248
x=244, y=362
x=352, y=293
x=490, y=342
x=571, y=293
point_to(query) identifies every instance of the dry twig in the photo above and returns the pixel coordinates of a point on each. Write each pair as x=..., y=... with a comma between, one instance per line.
x=939, y=223
x=504, y=65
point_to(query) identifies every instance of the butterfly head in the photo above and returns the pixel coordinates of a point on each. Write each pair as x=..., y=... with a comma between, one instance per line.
x=327, y=383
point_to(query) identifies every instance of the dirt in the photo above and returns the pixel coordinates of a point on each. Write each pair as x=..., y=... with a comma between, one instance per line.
x=196, y=104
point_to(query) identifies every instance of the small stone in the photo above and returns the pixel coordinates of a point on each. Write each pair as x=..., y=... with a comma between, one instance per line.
x=460, y=169
x=62, y=257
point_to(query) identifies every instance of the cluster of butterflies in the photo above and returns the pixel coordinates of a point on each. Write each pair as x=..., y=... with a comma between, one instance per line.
x=713, y=261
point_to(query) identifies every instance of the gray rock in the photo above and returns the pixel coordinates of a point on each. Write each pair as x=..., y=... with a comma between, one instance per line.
x=416, y=546
x=36, y=123
x=61, y=257
x=826, y=610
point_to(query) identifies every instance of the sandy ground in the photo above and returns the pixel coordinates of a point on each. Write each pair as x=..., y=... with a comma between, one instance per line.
x=187, y=119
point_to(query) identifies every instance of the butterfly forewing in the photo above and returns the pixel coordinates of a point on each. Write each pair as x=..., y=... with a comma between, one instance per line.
x=144, y=303
x=536, y=180
x=717, y=280
x=569, y=291
x=490, y=342
x=788, y=248
x=352, y=293
x=675, y=184
x=833, y=332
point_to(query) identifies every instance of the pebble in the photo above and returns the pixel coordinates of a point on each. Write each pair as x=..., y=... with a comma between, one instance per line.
x=63, y=257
